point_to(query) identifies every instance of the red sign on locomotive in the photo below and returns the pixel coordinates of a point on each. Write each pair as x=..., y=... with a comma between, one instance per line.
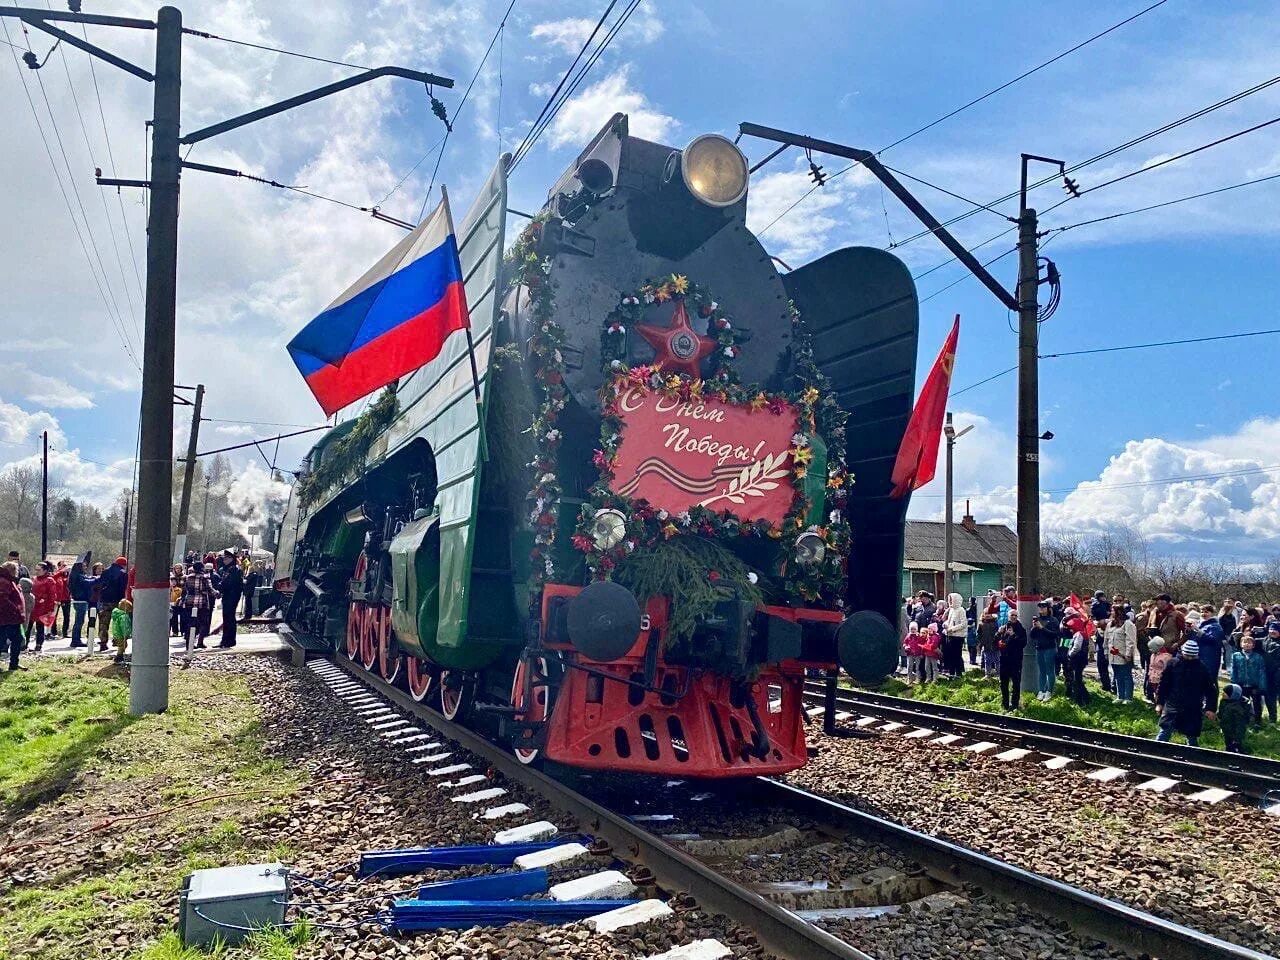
x=679, y=454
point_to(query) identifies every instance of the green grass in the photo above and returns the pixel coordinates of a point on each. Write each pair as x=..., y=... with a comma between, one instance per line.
x=1104, y=712
x=52, y=718
x=65, y=725
x=267, y=945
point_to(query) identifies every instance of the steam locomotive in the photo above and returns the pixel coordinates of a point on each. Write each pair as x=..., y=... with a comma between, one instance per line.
x=662, y=500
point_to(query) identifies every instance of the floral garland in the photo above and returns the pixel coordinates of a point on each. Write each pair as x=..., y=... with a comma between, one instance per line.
x=342, y=461
x=546, y=353
x=817, y=413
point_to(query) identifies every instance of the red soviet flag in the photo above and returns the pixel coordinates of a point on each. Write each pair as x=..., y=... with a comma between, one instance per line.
x=918, y=456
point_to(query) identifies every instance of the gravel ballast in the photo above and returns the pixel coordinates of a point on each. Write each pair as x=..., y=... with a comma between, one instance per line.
x=1211, y=867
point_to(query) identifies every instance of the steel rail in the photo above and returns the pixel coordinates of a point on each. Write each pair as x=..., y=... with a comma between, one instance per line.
x=1253, y=776
x=1114, y=923
x=778, y=929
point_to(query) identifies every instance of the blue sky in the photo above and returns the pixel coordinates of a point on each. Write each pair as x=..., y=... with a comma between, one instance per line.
x=256, y=263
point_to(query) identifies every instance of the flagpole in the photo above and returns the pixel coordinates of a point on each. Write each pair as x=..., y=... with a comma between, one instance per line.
x=471, y=347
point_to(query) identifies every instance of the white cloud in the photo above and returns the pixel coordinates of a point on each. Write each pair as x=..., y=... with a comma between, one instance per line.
x=46, y=391
x=43, y=345
x=568, y=34
x=1219, y=493
x=585, y=113
x=19, y=426
x=235, y=430
x=811, y=227
x=123, y=378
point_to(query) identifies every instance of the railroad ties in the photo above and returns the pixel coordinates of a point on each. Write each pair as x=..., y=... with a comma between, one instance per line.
x=457, y=780
x=1103, y=773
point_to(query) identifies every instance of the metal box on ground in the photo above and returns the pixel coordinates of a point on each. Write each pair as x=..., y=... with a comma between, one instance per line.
x=229, y=902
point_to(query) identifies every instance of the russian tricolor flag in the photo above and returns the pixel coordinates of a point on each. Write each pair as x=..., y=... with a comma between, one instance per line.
x=389, y=322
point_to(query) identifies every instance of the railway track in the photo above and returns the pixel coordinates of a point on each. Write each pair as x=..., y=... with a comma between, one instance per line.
x=1209, y=775
x=704, y=871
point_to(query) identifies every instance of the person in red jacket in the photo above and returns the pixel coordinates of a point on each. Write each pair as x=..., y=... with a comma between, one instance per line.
x=46, y=609
x=64, y=598
x=13, y=612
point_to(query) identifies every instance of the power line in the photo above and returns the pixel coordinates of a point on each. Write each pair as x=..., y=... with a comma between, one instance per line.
x=1021, y=76
x=270, y=49
x=1120, y=349
x=1125, y=484
x=66, y=199
x=1112, y=151
x=519, y=151
x=106, y=212
x=961, y=109
x=963, y=277
x=951, y=193
x=457, y=113
x=106, y=136
x=1166, y=203
x=534, y=135
x=258, y=423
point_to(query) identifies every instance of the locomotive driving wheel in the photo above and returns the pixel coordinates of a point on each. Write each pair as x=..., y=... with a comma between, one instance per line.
x=369, y=638
x=355, y=629
x=530, y=706
x=388, y=656
x=456, y=690
x=419, y=675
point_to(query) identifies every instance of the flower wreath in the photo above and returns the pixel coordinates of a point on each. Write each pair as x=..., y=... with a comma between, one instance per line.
x=822, y=584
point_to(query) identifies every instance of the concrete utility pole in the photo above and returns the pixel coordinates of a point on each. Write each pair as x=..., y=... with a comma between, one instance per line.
x=1028, y=578
x=188, y=476
x=149, y=683
x=947, y=555
x=44, y=498
x=204, y=517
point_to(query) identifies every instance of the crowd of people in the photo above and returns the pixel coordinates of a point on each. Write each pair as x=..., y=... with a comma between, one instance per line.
x=87, y=602
x=1181, y=653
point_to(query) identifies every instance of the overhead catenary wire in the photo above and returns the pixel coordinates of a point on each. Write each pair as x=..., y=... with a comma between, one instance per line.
x=106, y=211
x=444, y=143
x=535, y=133
x=1122, y=348
x=204, y=34
x=106, y=136
x=1112, y=151
x=1166, y=203
x=124, y=342
x=960, y=109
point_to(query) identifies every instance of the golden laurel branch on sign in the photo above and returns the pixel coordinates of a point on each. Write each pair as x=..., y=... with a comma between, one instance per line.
x=754, y=480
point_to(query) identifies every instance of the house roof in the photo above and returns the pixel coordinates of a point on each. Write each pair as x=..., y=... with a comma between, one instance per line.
x=987, y=544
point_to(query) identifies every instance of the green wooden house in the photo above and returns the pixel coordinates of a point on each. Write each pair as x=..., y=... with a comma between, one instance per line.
x=984, y=557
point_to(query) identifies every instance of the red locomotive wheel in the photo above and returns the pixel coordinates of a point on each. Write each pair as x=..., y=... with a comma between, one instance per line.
x=535, y=711
x=355, y=629
x=455, y=694
x=369, y=639
x=418, y=673
x=388, y=655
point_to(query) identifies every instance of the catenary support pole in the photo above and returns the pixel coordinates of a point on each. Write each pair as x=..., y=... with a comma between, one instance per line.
x=44, y=497
x=948, y=538
x=1028, y=582
x=188, y=477
x=149, y=682
x=204, y=517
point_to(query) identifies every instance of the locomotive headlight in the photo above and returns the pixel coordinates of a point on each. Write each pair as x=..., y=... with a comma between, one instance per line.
x=810, y=549
x=714, y=170
x=608, y=528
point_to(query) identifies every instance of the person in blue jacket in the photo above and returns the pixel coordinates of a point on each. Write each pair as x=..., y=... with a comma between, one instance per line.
x=1211, y=640
x=80, y=585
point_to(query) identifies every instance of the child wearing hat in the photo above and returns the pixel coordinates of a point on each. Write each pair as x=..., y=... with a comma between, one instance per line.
x=1159, y=659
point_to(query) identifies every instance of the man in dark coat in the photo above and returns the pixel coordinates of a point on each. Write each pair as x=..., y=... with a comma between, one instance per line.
x=231, y=586
x=1011, y=641
x=1185, y=696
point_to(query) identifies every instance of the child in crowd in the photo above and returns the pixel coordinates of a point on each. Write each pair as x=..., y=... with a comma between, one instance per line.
x=932, y=652
x=988, y=647
x=1160, y=658
x=913, y=648
x=27, y=586
x=1249, y=672
x=1233, y=716
x=122, y=627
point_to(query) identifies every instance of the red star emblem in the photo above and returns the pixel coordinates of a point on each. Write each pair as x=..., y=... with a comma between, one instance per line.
x=679, y=346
